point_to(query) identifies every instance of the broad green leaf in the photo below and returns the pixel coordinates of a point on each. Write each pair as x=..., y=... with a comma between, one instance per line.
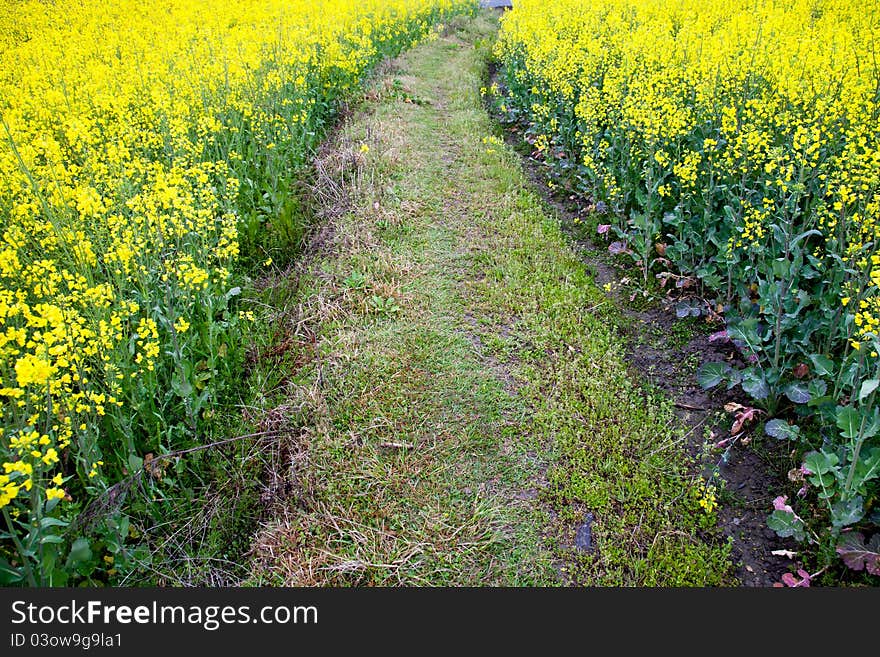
x=786, y=524
x=849, y=374
x=745, y=332
x=135, y=462
x=867, y=468
x=59, y=577
x=820, y=462
x=778, y=233
x=798, y=393
x=824, y=365
x=825, y=481
x=48, y=521
x=817, y=388
x=825, y=493
x=804, y=236
x=182, y=387
x=781, y=268
x=711, y=374
x=872, y=424
x=848, y=421
x=10, y=574
x=754, y=384
x=847, y=513
x=868, y=387
x=782, y=430
x=51, y=538
x=79, y=552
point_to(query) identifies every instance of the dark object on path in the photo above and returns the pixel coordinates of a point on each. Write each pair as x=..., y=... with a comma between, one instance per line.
x=583, y=539
x=496, y=4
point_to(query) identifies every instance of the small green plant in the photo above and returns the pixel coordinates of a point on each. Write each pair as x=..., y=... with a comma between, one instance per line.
x=355, y=281
x=386, y=306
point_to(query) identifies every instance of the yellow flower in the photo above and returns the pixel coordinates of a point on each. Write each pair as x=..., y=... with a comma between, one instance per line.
x=365, y=148
x=8, y=493
x=30, y=369
x=50, y=457
x=181, y=325
x=707, y=499
x=55, y=493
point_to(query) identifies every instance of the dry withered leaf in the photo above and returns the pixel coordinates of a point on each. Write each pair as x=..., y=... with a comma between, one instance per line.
x=784, y=553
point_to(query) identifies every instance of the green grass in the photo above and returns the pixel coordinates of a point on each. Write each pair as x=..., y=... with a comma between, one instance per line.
x=462, y=400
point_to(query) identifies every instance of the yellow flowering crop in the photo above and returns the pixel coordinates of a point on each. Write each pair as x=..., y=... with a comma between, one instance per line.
x=135, y=141
x=740, y=142
x=736, y=127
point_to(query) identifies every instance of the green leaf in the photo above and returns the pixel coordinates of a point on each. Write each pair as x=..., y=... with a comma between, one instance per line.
x=781, y=268
x=804, y=236
x=820, y=463
x=80, y=552
x=867, y=468
x=782, y=430
x=10, y=574
x=754, y=384
x=868, y=387
x=711, y=374
x=827, y=492
x=817, y=388
x=51, y=538
x=135, y=462
x=49, y=521
x=786, y=524
x=824, y=365
x=848, y=512
x=826, y=480
x=848, y=421
x=59, y=577
x=746, y=332
x=798, y=393
x=849, y=373
x=872, y=423
x=182, y=387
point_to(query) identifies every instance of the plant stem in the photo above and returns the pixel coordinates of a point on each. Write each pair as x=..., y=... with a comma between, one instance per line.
x=21, y=551
x=858, y=446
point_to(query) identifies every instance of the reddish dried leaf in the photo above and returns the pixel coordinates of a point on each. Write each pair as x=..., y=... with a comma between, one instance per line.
x=616, y=248
x=858, y=555
x=779, y=504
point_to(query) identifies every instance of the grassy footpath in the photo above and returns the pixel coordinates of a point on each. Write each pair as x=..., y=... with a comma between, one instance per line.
x=449, y=375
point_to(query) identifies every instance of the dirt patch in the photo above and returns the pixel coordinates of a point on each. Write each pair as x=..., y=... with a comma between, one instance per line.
x=663, y=353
